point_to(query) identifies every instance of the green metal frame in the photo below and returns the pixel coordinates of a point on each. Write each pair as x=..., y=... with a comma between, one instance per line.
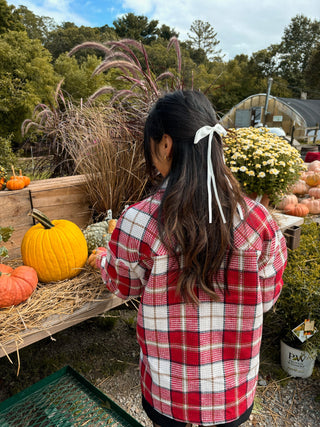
x=46, y=413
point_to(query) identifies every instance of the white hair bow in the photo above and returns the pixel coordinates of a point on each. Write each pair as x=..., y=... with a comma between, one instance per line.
x=202, y=133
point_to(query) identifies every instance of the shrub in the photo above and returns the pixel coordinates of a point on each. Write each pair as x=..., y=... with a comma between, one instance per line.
x=300, y=296
x=5, y=234
x=7, y=156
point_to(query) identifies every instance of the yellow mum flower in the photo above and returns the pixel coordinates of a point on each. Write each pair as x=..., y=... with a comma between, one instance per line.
x=253, y=153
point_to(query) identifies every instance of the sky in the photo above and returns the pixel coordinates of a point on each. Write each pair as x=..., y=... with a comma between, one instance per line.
x=242, y=26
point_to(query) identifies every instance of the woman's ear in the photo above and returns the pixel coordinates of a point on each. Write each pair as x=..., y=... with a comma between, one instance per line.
x=165, y=146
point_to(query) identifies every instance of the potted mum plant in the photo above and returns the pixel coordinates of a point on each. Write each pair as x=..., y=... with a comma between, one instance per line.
x=297, y=310
x=263, y=163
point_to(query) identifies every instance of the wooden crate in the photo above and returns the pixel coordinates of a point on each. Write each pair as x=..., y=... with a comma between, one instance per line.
x=58, y=198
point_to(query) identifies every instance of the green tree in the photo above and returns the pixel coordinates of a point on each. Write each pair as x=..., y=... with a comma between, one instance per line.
x=237, y=79
x=9, y=19
x=203, y=37
x=312, y=74
x=227, y=85
x=298, y=41
x=26, y=79
x=264, y=62
x=37, y=27
x=107, y=33
x=165, y=32
x=66, y=36
x=197, y=55
x=162, y=59
x=139, y=28
x=261, y=66
x=78, y=80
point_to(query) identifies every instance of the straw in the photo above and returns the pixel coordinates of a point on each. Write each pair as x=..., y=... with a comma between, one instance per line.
x=51, y=299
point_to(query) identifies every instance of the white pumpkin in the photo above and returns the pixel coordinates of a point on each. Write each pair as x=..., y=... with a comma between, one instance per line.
x=286, y=200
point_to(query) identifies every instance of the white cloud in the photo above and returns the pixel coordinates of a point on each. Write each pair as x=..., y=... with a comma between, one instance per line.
x=244, y=26
x=59, y=10
x=141, y=7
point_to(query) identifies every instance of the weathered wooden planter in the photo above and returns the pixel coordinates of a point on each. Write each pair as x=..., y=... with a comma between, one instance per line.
x=58, y=198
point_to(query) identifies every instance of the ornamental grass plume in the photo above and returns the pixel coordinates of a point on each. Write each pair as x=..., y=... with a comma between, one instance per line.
x=108, y=150
x=262, y=162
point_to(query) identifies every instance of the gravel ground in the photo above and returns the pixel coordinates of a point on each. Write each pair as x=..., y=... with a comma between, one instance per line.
x=108, y=356
x=285, y=402
x=289, y=403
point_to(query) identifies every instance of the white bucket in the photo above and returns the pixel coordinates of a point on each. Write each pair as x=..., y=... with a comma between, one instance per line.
x=295, y=362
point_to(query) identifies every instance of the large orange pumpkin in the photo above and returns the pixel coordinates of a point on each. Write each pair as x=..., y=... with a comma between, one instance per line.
x=56, y=249
x=16, y=285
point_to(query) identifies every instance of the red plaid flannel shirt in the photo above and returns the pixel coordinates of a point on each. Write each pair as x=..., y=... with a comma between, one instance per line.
x=198, y=364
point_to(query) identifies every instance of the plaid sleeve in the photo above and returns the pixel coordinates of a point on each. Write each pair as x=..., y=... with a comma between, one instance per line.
x=122, y=267
x=272, y=263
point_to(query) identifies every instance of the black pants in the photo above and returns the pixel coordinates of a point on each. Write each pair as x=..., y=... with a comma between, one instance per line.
x=164, y=421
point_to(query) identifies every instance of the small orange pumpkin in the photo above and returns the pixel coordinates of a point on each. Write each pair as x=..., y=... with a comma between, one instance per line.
x=25, y=179
x=297, y=210
x=16, y=285
x=312, y=204
x=313, y=179
x=15, y=182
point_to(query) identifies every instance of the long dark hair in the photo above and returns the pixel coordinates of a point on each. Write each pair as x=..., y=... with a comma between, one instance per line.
x=183, y=214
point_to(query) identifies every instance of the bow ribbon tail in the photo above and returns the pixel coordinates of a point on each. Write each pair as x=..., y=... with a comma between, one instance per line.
x=211, y=179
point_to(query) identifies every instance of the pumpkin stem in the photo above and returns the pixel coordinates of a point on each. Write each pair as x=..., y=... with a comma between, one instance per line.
x=42, y=218
x=14, y=174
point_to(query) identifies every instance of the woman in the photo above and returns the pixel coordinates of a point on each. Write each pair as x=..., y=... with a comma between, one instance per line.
x=206, y=261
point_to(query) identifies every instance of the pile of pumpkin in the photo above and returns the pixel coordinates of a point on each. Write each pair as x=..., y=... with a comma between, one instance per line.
x=51, y=251
x=304, y=197
x=15, y=182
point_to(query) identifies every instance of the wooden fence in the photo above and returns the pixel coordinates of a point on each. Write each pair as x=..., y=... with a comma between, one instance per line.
x=58, y=198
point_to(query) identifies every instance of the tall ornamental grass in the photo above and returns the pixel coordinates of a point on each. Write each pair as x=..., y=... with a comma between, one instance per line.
x=102, y=137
